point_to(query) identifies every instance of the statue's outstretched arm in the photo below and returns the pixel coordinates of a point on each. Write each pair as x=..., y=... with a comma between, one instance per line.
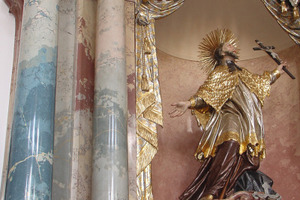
x=181, y=107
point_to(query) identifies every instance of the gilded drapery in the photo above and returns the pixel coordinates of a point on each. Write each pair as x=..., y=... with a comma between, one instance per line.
x=286, y=14
x=148, y=99
x=245, y=90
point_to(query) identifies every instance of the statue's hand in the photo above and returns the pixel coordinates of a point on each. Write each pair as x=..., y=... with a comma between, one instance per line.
x=179, y=108
x=279, y=68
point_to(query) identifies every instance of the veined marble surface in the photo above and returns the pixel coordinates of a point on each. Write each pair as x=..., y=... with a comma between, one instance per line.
x=110, y=177
x=31, y=151
x=62, y=167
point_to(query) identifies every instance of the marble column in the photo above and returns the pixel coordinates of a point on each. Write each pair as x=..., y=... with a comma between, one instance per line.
x=31, y=150
x=83, y=100
x=72, y=174
x=63, y=131
x=110, y=176
x=15, y=8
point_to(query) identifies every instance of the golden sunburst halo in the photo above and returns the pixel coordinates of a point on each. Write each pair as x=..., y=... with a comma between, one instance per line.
x=209, y=45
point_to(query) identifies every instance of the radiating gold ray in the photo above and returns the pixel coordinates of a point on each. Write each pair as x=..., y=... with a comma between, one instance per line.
x=209, y=45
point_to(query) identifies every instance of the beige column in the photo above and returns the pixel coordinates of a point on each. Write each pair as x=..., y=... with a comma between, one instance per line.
x=110, y=173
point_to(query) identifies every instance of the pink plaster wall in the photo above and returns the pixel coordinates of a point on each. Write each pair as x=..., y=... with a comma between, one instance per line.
x=130, y=69
x=174, y=166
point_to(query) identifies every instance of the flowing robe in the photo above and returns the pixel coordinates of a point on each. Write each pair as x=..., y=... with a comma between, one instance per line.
x=229, y=108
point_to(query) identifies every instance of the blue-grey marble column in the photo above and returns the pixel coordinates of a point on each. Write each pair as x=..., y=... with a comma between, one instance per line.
x=31, y=150
x=110, y=178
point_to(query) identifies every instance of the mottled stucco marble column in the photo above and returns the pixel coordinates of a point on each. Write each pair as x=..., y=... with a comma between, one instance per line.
x=31, y=150
x=15, y=8
x=64, y=120
x=110, y=176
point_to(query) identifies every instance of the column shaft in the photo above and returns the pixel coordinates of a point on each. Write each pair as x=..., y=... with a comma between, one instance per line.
x=63, y=131
x=31, y=150
x=110, y=177
x=84, y=99
x=15, y=8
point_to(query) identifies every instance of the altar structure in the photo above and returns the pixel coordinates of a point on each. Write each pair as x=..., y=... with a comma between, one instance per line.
x=88, y=91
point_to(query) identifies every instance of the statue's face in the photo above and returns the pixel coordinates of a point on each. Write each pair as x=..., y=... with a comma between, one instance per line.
x=229, y=50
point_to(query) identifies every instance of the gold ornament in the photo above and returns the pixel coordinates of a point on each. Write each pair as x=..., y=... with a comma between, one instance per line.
x=146, y=51
x=295, y=13
x=145, y=83
x=147, y=46
x=284, y=8
x=211, y=43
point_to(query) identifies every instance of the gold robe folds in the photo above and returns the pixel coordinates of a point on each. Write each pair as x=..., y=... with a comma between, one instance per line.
x=228, y=106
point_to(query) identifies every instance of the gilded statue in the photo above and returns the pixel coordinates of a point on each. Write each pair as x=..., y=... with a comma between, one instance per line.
x=228, y=106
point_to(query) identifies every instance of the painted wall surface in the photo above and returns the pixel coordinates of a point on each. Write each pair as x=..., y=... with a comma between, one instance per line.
x=174, y=166
x=7, y=36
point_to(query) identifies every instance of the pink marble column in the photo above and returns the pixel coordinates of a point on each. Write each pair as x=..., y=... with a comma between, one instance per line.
x=84, y=100
x=74, y=100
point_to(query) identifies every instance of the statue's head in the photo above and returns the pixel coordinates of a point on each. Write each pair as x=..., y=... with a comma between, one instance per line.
x=225, y=50
x=215, y=46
